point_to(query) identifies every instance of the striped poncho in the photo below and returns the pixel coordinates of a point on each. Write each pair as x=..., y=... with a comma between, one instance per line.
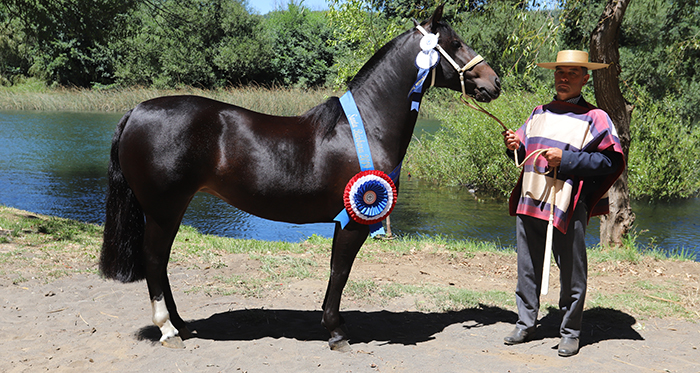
x=569, y=127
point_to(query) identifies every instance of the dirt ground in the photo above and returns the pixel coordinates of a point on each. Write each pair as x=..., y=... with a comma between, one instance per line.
x=80, y=322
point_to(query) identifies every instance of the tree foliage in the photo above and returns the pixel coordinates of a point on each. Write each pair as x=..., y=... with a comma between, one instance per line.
x=221, y=42
x=659, y=48
x=162, y=43
x=62, y=41
x=422, y=9
x=359, y=31
x=302, y=54
x=194, y=43
x=662, y=162
x=523, y=38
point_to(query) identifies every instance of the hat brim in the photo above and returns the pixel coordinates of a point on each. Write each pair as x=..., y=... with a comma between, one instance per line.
x=588, y=65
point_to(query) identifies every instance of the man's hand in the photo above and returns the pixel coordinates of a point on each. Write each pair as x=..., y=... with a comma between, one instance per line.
x=553, y=157
x=512, y=140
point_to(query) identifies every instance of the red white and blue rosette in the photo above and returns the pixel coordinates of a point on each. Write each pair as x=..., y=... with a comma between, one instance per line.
x=369, y=197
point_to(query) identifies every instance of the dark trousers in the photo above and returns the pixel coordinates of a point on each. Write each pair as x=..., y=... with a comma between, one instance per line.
x=570, y=255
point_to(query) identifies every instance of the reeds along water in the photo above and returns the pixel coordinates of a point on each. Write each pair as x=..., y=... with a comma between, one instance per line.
x=275, y=101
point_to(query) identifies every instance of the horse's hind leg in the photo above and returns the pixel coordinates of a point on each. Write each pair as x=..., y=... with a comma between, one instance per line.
x=159, y=237
x=346, y=244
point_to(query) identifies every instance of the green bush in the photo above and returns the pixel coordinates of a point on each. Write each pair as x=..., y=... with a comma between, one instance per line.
x=192, y=43
x=302, y=55
x=663, y=157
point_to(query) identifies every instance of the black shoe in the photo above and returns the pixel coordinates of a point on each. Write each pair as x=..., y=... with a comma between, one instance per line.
x=518, y=336
x=568, y=346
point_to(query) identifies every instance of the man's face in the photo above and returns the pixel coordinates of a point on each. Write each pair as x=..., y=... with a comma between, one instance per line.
x=568, y=81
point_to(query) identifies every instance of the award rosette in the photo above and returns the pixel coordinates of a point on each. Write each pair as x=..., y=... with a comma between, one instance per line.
x=428, y=56
x=369, y=197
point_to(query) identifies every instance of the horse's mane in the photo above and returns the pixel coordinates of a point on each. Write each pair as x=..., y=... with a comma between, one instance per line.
x=373, y=62
x=326, y=114
x=329, y=113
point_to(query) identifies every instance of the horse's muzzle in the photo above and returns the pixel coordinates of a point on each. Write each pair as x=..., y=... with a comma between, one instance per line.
x=488, y=92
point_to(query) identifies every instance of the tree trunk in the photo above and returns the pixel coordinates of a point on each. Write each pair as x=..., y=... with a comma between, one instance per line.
x=605, y=48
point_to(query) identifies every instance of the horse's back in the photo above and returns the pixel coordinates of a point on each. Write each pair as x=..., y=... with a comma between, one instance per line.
x=173, y=147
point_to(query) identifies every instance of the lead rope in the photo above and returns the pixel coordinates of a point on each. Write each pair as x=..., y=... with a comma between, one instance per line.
x=552, y=195
x=550, y=231
x=478, y=108
x=550, y=236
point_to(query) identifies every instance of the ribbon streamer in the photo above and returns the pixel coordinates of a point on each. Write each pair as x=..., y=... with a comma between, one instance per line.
x=426, y=60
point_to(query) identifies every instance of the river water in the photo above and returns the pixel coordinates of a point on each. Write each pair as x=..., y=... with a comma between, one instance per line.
x=55, y=163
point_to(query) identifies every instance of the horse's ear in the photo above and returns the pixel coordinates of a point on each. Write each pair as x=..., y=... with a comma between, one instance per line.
x=437, y=16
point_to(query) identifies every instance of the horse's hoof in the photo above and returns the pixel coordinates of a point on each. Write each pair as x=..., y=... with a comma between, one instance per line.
x=173, y=342
x=340, y=346
x=184, y=333
x=339, y=341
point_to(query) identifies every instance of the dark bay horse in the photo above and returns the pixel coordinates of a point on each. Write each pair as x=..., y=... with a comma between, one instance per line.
x=291, y=169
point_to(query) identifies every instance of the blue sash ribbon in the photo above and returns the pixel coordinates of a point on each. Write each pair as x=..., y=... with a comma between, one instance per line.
x=359, y=136
x=364, y=154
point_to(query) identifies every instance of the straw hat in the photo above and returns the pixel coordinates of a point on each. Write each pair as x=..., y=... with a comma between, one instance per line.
x=573, y=58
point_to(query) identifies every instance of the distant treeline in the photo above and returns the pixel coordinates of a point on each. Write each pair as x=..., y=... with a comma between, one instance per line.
x=223, y=43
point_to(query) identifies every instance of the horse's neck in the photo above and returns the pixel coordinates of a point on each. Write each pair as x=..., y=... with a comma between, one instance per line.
x=383, y=99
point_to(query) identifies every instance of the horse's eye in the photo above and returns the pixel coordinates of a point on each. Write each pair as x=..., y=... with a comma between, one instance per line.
x=456, y=44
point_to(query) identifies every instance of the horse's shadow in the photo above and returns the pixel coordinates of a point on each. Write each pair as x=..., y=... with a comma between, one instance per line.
x=406, y=328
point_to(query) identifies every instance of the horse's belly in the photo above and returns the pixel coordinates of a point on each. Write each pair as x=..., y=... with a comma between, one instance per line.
x=290, y=208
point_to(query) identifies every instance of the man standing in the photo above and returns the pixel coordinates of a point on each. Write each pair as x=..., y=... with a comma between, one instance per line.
x=580, y=141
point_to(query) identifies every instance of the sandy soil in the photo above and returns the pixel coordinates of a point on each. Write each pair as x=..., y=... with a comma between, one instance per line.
x=81, y=322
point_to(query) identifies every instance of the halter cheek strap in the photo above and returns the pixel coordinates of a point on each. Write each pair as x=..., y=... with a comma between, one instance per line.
x=460, y=70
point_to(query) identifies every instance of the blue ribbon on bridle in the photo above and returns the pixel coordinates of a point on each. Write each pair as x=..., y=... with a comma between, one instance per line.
x=364, y=155
x=417, y=89
x=426, y=60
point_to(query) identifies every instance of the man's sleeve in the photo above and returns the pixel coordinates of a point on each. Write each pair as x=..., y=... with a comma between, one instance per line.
x=586, y=164
x=520, y=150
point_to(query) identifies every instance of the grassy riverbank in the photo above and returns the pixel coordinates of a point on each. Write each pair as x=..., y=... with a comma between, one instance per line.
x=452, y=274
x=34, y=96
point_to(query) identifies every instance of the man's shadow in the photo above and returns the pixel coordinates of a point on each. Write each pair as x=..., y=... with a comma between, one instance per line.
x=599, y=324
x=407, y=328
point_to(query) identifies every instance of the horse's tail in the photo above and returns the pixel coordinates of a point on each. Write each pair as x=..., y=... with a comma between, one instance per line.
x=121, y=257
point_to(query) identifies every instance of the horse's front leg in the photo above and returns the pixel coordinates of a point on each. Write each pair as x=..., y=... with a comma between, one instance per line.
x=346, y=244
x=156, y=253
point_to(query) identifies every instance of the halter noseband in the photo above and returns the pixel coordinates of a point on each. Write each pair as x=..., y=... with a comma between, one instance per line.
x=475, y=61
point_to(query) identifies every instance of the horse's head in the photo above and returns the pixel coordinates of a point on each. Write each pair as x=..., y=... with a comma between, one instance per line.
x=461, y=69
